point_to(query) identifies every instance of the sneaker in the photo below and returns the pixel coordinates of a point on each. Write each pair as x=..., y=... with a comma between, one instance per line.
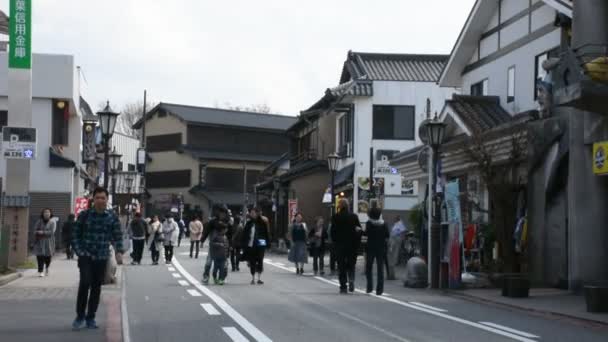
x=220, y=282
x=205, y=281
x=260, y=282
x=252, y=282
x=78, y=324
x=216, y=281
x=40, y=274
x=91, y=324
x=351, y=287
x=301, y=271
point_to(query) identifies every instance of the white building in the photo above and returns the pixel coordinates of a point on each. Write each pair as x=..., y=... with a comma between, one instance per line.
x=56, y=175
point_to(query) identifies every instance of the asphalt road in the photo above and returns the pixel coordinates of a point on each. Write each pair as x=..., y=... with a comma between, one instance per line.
x=168, y=303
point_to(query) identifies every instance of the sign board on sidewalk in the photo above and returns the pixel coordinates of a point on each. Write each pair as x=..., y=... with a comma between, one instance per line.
x=20, y=34
x=600, y=164
x=81, y=204
x=19, y=142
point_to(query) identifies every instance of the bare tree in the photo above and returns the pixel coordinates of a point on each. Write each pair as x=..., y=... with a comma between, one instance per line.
x=130, y=113
x=255, y=108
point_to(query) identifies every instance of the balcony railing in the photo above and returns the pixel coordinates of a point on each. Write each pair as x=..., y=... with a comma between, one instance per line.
x=303, y=156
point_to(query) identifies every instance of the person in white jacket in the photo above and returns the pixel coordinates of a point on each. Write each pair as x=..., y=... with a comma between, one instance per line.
x=171, y=234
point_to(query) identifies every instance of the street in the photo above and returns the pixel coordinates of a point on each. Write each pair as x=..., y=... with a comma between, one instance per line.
x=167, y=303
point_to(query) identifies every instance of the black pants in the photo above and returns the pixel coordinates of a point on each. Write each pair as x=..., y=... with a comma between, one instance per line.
x=346, y=267
x=318, y=262
x=138, y=250
x=196, y=243
x=256, y=260
x=42, y=261
x=91, y=277
x=179, y=238
x=333, y=260
x=155, y=253
x=235, y=256
x=68, y=249
x=169, y=253
x=378, y=257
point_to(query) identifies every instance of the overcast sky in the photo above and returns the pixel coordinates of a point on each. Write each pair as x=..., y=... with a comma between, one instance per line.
x=282, y=53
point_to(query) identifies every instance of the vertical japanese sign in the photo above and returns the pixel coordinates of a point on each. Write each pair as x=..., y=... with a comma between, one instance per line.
x=20, y=32
x=81, y=204
x=452, y=198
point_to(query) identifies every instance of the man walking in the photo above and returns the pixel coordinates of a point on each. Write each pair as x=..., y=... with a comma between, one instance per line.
x=137, y=231
x=215, y=226
x=346, y=235
x=91, y=238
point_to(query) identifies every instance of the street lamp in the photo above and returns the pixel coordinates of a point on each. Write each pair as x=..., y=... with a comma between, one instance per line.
x=276, y=183
x=107, y=123
x=332, y=164
x=114, y=159
x=128, y=185
x=436, y=133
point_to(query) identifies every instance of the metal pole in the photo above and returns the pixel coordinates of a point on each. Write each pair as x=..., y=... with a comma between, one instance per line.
x=435, y=227
x=333, y=199
x=106, y=161
x=372, y=192
x=114, y=201
x=142, y=180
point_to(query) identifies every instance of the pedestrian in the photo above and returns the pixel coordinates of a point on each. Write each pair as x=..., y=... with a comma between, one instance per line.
x=137, y=232
x=170, y=236
x=333, y=259
x=219, y=249
x=66, y=235
x=44, y=245
x=97, y=228
x=397, y=237
x=377, y=233
x=235, y=247
x=298, y=233
x=255, y=240
x=345, y=234
x=196, y=233
x=155, y=239
x=182, y=231
x=317, y=237
x=218, y=223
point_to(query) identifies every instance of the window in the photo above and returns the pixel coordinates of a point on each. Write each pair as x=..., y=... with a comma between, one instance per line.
x=168, y=179
x=131, y=167
x=394, y=122
x=345, y=134
x=480, y=88
x=511, y=84
x=59, y=122
x=3, y=118
x=120, y=166
x=166, y=142
x=539, y=72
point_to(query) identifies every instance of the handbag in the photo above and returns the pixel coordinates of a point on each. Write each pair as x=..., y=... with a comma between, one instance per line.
x=262, y=242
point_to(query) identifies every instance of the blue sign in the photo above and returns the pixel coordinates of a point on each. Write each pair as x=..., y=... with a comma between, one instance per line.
x=29, y=154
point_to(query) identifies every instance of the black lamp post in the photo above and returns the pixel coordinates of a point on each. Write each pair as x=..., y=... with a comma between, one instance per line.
x=436, y=134
x=114, y=159
x=107, y=123
x=129, y=185
x=276, y=183
x=332, y=164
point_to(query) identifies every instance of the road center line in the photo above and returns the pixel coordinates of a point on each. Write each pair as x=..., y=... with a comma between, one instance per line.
x=176, y=275
x=211, y=310
x=221, y=303
x=234, y=334
x=183, y=283
x=429, y=307
x=194, y=293
x=511, y=330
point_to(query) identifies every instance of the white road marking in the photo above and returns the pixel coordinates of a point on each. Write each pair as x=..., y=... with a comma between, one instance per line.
x=221, y=303
x=183, y=282
x=176, y=275
x=269, y=260
x=211, y=310
x=194, y=293
x=171, y=269
x=431, y=312
x=429, y=307
x=511, y=330
x=234, y=334
x=126, y=334
x=279, y=263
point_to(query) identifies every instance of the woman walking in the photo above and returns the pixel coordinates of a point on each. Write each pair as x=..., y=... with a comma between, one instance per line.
x=345, y=234
x=235, y=248
x=155, y=239
x=44, y=247
x=377, y=233
x=196, y=232
x=298, y=233
x=255, y=239
x=317, y=238
x=170, y=235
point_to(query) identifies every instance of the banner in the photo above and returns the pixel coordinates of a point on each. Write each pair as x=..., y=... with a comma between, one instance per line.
x=454, y=241
x=20, y=34
x=81, y=204
x=293, y=209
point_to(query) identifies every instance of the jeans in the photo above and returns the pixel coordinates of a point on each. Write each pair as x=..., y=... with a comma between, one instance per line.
x=68, y=249
x=91, y=277
x=207, y=268
x=196, y=243
x=378, y=257
x=155, y=253
x=219, y=268
x=138, y=250
x=256, y=260
x=235, y=256
x=168, y=253
x=318, y=254
x=42, y=261
x=346, y=267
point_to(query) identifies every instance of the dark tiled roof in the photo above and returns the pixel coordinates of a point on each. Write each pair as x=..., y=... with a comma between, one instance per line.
x=303, y=168
x=354, y=88
x=479, y=113
x=225, y=117
x=393, y=67
x=84, y=107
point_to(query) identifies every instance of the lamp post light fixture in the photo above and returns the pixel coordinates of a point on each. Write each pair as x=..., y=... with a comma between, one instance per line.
x=435, y=134
x=114, y=161
x=332, y=164
x=107, y=123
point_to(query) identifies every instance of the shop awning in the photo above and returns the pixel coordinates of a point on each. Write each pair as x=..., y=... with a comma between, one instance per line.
x=57, y=160
x=221, y=197
x=345, y=175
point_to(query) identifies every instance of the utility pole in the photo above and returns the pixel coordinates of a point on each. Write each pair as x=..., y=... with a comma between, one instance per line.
x=142, y=178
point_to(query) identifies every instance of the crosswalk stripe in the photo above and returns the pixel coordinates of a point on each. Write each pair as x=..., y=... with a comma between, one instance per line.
x=234, y=334
x=211, y=310
x=194, y=293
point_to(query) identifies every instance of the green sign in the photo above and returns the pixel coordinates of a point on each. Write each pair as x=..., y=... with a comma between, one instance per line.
x=20, y=32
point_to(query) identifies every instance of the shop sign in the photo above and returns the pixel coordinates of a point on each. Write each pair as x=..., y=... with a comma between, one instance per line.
x=600, y=165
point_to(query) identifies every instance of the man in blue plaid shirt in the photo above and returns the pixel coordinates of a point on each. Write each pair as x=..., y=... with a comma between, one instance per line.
x=96, y=229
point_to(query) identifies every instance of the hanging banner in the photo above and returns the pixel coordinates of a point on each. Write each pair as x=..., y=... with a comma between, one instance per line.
x=81, y=204
x=20, y=34
x=452, y=199
x=293, y=209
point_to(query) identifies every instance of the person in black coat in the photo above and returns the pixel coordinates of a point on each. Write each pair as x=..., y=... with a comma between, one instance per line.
x=377, y=233
x=317, y=238
x=346, y=236
x=66, y=235
x=254, y=242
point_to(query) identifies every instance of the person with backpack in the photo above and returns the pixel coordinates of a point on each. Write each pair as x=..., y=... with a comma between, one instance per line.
x=377, y=233
x=155, y=239
x=219, y=249
x=216, y=224
x=170, y=236
x=137, y=232
x=97, y=228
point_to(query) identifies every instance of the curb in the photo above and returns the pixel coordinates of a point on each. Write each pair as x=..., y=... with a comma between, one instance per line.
x=9, y=278
x=525, y=309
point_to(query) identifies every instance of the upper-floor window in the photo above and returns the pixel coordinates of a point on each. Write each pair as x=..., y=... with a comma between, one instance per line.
x=131, y=167
x=394, y=122
x=345, y=134
x=3, y=119
x=165, y=142
x=511, y=84
x=60, y=122
x=539, y=72
x=480, y=88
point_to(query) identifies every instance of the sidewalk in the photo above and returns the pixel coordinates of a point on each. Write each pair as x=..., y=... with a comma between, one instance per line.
x=544, y=301
x=34, y=308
